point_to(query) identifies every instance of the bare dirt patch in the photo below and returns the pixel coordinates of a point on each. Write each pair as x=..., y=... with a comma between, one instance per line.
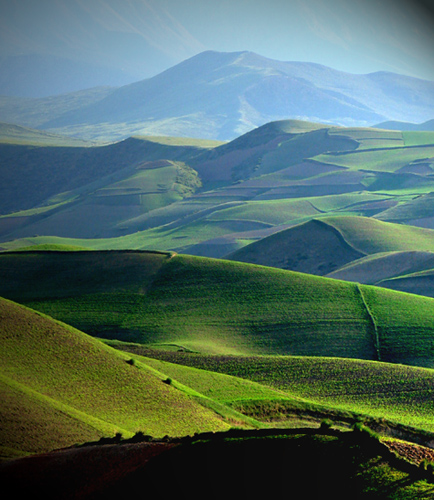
x=414, y=453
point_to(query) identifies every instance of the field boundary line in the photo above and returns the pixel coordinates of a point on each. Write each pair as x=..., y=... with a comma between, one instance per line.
x=374, y=324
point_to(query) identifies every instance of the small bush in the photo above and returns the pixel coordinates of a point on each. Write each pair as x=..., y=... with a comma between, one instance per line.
x=168, y=381
x=326, y=424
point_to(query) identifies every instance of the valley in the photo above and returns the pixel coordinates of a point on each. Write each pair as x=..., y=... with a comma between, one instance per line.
x=197, y=291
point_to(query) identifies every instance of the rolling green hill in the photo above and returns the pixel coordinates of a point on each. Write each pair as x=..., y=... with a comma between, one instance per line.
x=208, y=198
x=394, y=392
x=215, y=306
x=60, y=387
x=360, y=249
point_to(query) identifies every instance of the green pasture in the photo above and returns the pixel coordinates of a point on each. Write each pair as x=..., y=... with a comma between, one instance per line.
x=416, y=138
x=371, y=236
x=380, y=390
x=379, y=160
x=63, y=387
x=215, y=306
x=200, y=304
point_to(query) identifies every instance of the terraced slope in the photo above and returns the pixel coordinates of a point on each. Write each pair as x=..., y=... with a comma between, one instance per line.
x=214, y=306
x=60, y=387
x=208, y=198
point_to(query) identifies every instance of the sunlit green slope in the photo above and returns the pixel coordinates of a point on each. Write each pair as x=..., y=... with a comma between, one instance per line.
x=59, y=387
x=390, y=391
x=215, y=306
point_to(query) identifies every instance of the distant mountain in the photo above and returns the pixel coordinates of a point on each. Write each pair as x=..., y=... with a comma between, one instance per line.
x=395, y=125
x=222, y=95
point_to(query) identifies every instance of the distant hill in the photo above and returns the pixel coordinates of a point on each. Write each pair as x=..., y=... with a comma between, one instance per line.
x=358, y=249
x=209, y=197
x=14, y=134
x=396, y=125
x=62, y=46
x=222, y=95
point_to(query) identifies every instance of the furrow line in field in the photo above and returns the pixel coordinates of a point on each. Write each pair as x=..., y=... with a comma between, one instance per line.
x=374, y=324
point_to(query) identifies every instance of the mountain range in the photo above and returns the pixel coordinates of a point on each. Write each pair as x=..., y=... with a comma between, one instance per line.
x=219, y=95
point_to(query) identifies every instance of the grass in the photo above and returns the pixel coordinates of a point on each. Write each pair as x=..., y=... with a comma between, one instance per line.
x=371, y=236
x=415, y=138
x=63, y=387
x=380, y=160
x=271, y=312
x=215, y=306
x=380, y=390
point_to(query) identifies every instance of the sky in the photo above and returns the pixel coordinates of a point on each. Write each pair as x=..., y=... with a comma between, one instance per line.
x=136, y=39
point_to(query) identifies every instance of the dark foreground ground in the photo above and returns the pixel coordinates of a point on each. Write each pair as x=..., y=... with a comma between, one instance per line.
x=304, y=463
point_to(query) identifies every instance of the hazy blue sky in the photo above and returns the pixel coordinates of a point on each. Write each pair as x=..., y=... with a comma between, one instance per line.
x=357, y=36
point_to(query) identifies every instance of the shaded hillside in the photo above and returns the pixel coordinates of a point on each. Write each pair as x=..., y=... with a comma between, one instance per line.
x=377, y=267
x=220, y=95
x=421, y=282
x=358, y=249
x=313, y=247
x=418, y=211
x=232, y=308
x=32, y=175
x=339, y=239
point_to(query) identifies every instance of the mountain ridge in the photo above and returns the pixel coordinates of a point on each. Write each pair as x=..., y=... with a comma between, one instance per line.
x=220, y=95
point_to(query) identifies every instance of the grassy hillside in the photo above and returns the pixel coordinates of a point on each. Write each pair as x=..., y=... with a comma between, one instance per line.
x=359, y=249
x=208, y=198
x=372, y=236
x=376, y=268
x=215, y=306
x=33, y=177
x=357, y=235
x=60, y=386
x=63, y=387
x=394, y=392
x=313, y=247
